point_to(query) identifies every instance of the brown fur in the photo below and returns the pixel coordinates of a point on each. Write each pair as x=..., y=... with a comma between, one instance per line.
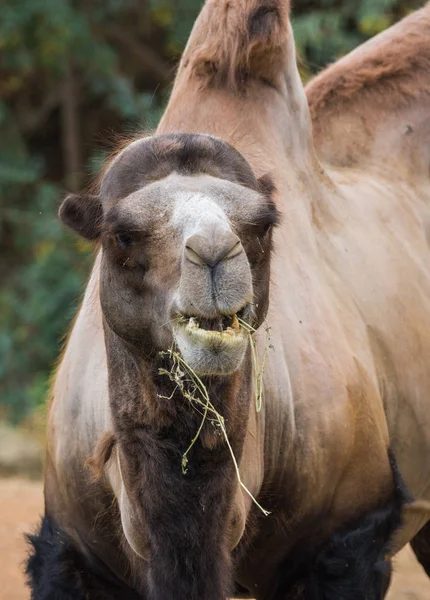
x=378, y=74
x=102, y=454
x=152, y=159
x=364, y=106
x=253, y=43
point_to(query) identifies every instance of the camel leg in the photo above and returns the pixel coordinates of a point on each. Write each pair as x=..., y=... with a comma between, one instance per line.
x=56, y=568
x=421, y=547
x=335, y=585
x=352, y=564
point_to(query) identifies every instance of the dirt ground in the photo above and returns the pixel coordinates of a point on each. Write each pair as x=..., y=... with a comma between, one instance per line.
x=21, y=505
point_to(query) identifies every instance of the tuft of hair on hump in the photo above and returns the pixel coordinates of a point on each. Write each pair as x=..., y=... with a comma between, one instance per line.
x=102, y=455
x=391, y=70
x=235, y=40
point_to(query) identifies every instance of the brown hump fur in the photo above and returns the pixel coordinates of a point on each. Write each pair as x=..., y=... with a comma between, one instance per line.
x=234, y=40
x=392, y=71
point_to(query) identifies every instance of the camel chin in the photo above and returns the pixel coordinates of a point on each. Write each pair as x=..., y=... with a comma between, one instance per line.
x=210, y=351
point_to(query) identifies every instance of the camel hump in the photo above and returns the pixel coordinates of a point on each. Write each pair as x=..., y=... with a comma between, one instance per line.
x=373, y=104
x=235, y=40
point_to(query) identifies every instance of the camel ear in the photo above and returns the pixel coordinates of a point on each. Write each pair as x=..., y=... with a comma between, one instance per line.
x=83, y=213
x=266, y=185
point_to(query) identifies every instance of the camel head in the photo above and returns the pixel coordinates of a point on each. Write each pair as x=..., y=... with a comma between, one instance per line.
x=185, y=228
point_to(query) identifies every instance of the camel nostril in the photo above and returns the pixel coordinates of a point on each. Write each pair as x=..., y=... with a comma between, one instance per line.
x=193, y=256
x=209, y=249
x=235, y=251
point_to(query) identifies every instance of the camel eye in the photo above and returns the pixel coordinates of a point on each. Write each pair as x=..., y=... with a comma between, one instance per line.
x=125, y=240
x=268, y=220
x=267, y=227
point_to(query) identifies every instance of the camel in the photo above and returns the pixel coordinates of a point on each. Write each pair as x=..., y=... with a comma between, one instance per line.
x=242, y=405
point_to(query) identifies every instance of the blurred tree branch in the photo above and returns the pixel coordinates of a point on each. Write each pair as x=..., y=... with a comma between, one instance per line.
x=147, y=57
x=31, y=118
x=70, y=127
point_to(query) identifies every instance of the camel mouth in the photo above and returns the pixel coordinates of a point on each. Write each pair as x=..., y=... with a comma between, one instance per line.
x=224, y=326
x=213, y=346
x=228, y=325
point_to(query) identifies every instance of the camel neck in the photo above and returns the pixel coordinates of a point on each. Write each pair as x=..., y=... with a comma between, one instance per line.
x=185, y=507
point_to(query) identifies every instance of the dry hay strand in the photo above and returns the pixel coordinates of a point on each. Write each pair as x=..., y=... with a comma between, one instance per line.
x=194, y=390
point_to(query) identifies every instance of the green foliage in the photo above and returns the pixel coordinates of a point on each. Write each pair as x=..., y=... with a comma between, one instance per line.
x=325, y=30
x=71, y=73
x=42, y=267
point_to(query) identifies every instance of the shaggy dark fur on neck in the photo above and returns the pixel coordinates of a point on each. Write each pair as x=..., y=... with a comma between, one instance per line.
x=186, y=517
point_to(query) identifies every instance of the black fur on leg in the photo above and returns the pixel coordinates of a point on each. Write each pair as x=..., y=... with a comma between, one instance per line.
x=57, y=570
x=353, y=566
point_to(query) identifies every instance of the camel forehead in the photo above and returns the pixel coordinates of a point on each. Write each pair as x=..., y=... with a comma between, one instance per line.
x=153, y=159
x=183, y=202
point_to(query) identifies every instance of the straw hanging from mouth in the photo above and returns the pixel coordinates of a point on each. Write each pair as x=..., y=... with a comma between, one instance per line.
x=177, y=375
